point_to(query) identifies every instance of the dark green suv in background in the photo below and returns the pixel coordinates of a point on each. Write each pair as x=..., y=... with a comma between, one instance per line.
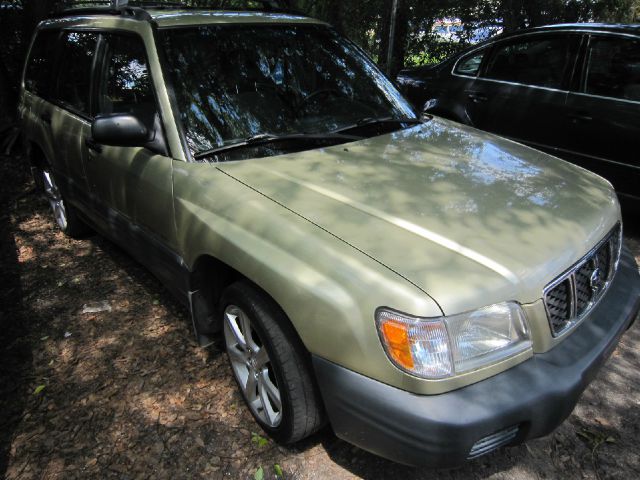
x=432, y=291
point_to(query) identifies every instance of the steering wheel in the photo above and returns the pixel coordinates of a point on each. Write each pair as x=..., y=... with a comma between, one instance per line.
x=321, y=92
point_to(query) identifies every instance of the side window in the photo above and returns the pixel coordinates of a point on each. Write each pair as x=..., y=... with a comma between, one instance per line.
x=74, y=77
x=38, y=74
x=126, y=82
x=540, y=62
x=613, y=68
x=470, y=65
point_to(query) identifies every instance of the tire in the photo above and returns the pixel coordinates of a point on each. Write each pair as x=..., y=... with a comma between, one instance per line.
x=271, y=363
x=65, y=215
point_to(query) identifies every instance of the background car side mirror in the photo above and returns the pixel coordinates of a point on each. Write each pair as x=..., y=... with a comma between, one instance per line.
x=429, y=106
x=120, y=130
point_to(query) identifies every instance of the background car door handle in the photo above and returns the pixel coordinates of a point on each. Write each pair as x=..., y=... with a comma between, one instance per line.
x=580, y=117
x=478, y=97
x=92, y=145
x=46, y=118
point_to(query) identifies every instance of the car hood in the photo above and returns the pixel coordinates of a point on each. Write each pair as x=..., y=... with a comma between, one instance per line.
x=469, y=218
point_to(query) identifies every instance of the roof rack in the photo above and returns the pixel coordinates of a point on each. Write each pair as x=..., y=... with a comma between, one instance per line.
x=137, y=8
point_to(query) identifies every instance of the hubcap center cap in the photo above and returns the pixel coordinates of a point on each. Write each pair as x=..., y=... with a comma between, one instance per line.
x=251, y=363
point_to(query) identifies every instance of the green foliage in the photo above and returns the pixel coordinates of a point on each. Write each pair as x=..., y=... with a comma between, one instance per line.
x=259, y=440
x=366, y=22
x=278, y=470
x=433, y=52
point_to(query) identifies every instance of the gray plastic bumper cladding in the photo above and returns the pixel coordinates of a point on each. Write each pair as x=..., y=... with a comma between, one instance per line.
x=525, y=402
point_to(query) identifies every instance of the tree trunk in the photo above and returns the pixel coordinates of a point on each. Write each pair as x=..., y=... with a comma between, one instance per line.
x=392, y=62
x=512, y=17
x=384, y=26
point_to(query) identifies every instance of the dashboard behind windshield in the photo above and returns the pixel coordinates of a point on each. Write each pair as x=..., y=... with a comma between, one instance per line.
x=234, y=82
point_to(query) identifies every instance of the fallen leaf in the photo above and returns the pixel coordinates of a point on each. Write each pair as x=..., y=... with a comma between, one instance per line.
x=259, y=475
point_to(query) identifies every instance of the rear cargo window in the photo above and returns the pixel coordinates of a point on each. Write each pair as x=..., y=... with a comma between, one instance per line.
x=38, y=75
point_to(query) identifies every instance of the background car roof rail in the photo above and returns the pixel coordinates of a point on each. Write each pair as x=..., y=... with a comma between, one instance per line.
x=137, y=8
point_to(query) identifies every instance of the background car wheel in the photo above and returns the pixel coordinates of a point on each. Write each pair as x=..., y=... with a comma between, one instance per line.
x=64, y=214
x=270, y=365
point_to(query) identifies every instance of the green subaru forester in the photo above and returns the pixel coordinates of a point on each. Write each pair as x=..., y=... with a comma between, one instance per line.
x=431, y=291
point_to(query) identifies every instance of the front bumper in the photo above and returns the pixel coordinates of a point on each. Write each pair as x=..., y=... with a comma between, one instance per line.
x=525, y=402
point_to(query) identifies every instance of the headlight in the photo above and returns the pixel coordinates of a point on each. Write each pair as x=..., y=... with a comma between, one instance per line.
x=442, y=347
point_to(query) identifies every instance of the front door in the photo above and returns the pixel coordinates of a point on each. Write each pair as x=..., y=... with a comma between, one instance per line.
x=132, y=187
x=522, y=88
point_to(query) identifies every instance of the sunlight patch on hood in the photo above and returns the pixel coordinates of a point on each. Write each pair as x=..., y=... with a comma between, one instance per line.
x=410, y=227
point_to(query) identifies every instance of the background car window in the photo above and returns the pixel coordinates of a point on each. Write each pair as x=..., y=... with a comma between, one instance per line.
x=74, y=77
x=470, y=65
x=126, y=85
x=613, y=68
x=540, y=62
x=40, y=67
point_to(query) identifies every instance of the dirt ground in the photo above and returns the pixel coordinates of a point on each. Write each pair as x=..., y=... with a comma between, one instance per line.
x=127, y=393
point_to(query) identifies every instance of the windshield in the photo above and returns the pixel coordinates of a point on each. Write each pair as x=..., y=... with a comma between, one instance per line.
x=235, y=82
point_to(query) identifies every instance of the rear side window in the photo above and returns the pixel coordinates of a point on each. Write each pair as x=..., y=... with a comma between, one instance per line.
x=39, y=72
x=613, y=68
x=539, y=62
x=74, y=77
x=470, y=65
x=125, y=85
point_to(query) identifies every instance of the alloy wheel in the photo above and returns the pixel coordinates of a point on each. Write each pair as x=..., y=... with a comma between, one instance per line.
x=252, y=366
x=52, y=193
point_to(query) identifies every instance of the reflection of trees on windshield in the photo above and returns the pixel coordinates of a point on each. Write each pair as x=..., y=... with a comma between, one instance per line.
x=234, y=82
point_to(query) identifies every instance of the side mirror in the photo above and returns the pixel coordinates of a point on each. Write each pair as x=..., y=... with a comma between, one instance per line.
x=120, y=130
x=429, y=106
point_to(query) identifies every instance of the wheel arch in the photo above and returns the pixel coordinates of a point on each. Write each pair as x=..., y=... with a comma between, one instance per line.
x=208, y=279
x=37, y=159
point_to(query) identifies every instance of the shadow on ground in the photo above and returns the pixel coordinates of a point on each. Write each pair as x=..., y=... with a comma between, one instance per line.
x=15, y=319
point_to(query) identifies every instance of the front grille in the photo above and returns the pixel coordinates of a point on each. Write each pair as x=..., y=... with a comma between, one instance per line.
x=493, y=441
x=572, y=295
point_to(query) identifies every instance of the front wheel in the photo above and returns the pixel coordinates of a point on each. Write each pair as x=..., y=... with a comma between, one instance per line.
x=270, y=365
x=64, y=214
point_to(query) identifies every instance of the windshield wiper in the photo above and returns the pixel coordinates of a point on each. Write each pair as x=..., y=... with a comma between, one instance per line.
x=267, y=138
x=369, y=121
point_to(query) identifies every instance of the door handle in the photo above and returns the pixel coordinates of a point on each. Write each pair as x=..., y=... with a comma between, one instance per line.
x=93, y=145
x=478, y=97
x=46, y=118
x=580, y=117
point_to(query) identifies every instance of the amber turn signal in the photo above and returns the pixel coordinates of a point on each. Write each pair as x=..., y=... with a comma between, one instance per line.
x=396, y=338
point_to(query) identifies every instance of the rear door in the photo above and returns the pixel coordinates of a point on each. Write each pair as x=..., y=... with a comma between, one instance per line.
x=603, y=115
x=35, y=109
x=523, y=86
x=70, y=119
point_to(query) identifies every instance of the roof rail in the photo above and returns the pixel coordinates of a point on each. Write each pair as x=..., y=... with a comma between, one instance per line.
x=136, y=8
